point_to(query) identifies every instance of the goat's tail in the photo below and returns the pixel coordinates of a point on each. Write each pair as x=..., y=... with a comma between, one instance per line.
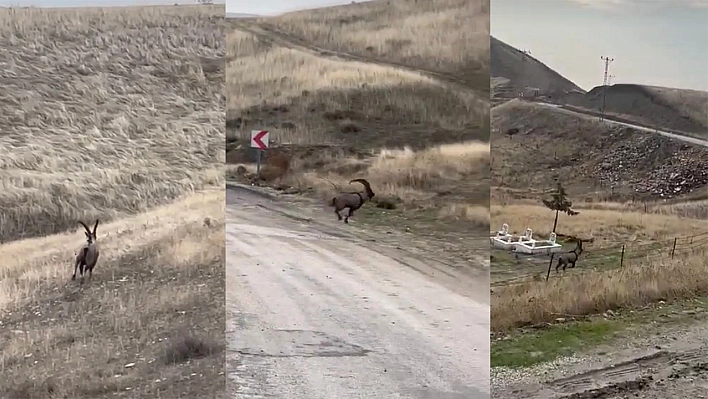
x=333, y=202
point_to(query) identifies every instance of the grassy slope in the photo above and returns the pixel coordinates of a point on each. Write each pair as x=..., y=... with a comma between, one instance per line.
x=340, y=112
x=677, y=110
x=449, y=36
x=150, y=323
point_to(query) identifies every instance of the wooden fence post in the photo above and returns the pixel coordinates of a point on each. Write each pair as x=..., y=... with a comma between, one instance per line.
x=622, y=257
x=674, y=248
x=548, y=275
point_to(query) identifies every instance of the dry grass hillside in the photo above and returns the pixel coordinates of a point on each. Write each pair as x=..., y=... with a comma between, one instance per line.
x=636, y=193
x=118, y=115
x=593, y=160
x=446, y=36
x=676, y=110
x=422, y=141
x=512, y=71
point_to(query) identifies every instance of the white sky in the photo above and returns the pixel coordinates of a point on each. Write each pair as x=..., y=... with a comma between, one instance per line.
x=274, y=7
x=653, y=42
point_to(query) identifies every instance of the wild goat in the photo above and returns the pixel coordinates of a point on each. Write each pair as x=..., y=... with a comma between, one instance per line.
x=569, y=258
x=352, y=201
x=87, y=256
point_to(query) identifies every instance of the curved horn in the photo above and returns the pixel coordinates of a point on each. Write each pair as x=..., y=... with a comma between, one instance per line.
x=366, y=184
x=85, y=227
x=94, y=227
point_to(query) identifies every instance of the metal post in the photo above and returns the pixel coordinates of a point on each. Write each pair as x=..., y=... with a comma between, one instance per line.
x=674, y=248
x=622, y=257
x=548, y=275
x=259, y=154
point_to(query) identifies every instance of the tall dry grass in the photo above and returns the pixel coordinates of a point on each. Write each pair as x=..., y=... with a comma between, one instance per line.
x=106, y=112
x=315, y=87
x=608, y=227
x=116, y=114
x=574, y=295
x=449, y=36
x=412, y=177
x=160, y=274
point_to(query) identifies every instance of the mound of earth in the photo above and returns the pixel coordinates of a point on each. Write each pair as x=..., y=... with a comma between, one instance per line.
x=534, y=145
x=672, y=109
x=523, y=72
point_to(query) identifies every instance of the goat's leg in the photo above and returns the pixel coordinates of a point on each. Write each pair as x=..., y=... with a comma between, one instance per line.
x=90, y=271
x=76, y=266
x=336, y=212
x=351, y=212
x=572, y=264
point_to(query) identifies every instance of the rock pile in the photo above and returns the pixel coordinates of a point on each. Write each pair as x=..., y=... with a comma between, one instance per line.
x=651, y=164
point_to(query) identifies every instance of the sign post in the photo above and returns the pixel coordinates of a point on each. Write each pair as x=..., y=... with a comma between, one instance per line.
x=259, y=141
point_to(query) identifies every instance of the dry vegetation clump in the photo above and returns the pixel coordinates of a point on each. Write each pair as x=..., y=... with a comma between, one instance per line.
x=304, y=99
x=412, y=178
x=106, y=112
x=449, y=36
x=536, y=302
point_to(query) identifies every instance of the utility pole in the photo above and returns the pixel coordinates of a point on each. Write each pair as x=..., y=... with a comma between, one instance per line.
x=607, y=61
x=524, y=53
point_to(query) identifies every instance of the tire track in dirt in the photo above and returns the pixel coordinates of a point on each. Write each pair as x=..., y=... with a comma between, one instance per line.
x=275, y=36
x=677, y=369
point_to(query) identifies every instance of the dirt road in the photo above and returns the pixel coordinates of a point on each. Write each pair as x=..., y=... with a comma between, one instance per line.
x=587, y=114
x=313, y=312
x=671, y=363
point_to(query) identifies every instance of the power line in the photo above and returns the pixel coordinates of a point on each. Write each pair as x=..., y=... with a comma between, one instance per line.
x=524, y=59
x=607, y=61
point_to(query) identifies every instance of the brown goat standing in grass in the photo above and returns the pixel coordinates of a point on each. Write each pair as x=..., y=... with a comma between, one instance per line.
x=87, y=256
x=352, y=201
x=569, y=258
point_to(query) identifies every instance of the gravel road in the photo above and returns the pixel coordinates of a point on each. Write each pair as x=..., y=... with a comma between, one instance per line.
x=315, y=313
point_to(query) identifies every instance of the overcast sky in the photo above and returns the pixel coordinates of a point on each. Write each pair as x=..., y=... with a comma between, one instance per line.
x=274, y=7
x=653, y=42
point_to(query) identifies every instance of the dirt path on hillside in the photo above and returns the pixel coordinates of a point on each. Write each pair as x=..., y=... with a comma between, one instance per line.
x=587, y=114
x=672, y=363
x=610, y=120
x=315, y=312
x=273, y=35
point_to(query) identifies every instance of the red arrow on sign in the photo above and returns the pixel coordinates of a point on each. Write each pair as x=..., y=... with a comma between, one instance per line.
x=258, y=139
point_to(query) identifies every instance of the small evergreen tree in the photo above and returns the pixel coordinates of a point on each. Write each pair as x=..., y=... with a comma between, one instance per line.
x=559, y=202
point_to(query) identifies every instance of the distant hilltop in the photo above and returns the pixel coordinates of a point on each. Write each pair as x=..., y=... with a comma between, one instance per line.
x=239, y=15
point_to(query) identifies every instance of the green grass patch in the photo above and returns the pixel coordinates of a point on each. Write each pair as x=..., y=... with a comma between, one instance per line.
x=528, y=349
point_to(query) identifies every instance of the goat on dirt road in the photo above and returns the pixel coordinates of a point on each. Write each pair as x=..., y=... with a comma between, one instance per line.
x=87, y=256
x=352, y=201
x=569, y=258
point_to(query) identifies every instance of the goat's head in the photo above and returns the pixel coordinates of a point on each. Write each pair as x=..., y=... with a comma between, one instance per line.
x=367, y=187
x=90, y=235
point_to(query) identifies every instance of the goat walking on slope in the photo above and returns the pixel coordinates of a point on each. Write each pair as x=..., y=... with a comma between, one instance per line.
x=87, y=256
x=352, y=201
x=569, y=258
